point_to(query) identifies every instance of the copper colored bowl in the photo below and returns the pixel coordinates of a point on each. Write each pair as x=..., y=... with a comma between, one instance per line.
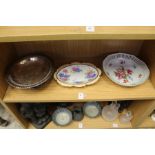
x=30, y=72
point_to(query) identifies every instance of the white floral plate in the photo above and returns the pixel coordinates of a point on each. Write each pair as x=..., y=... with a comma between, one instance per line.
x=77, y=74
x=125, y=69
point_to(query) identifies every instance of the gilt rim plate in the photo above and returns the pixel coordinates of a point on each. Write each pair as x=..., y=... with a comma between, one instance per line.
x=77, y=74
x=125, y=69
x=30, y=72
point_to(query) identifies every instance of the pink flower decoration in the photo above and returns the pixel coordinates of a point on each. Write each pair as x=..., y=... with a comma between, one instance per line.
x=129, y=71
x=65, y=71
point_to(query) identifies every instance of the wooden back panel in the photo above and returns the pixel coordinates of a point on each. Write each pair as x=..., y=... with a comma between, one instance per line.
x=79, y=50
x=148, y=55
x=141, y=110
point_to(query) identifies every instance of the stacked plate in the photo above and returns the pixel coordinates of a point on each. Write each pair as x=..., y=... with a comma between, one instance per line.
x=30, y=72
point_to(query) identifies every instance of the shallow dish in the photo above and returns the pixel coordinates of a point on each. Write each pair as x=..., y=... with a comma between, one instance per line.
x=77, y=74
x=125, y=69
x=30, y=72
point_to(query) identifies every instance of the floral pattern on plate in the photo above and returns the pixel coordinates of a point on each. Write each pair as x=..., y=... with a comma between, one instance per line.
x=76, y=69
x=125, y=74
x=77, y=74
x=125, y=69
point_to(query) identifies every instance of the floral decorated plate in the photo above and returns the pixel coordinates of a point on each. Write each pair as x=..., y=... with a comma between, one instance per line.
x=125, y=69
x=77, y=74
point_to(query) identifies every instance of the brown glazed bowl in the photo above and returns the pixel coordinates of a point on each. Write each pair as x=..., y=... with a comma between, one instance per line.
x=30, y=72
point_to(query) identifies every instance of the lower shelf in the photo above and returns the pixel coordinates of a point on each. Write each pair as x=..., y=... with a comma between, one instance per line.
x=147, y=123
x=99, y=123
x=88, y=123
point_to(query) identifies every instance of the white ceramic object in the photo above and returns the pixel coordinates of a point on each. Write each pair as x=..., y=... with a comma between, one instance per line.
x=77, y=74
x=92, y=109
x=153, y=117
x=125, y=69
x=110, y=112
x=126, y=117
x=62, y=117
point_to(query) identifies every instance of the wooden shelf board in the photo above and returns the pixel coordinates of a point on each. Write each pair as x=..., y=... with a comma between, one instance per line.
x=30, y=126
x=147, y=123
x=34, y=33
x=88, y=123
x=99, y=123
x=103, y=90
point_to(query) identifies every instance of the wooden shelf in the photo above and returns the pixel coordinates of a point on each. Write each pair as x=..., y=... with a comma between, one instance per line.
x=87, y=123
x=36, y=33
x=86, y=46
x=99, y=123
x=103, y=90
x=147, y=123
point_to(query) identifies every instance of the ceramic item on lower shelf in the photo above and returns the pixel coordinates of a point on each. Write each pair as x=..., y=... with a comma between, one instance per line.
x=77, y=114
x=153, y=117
x=36, y=113
x=3, y=122
x=125, y=69
x=110, y=112
x=77, y=74
x=62, y=117
x=126, y=117
x=92, y=109
x=30, y=72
